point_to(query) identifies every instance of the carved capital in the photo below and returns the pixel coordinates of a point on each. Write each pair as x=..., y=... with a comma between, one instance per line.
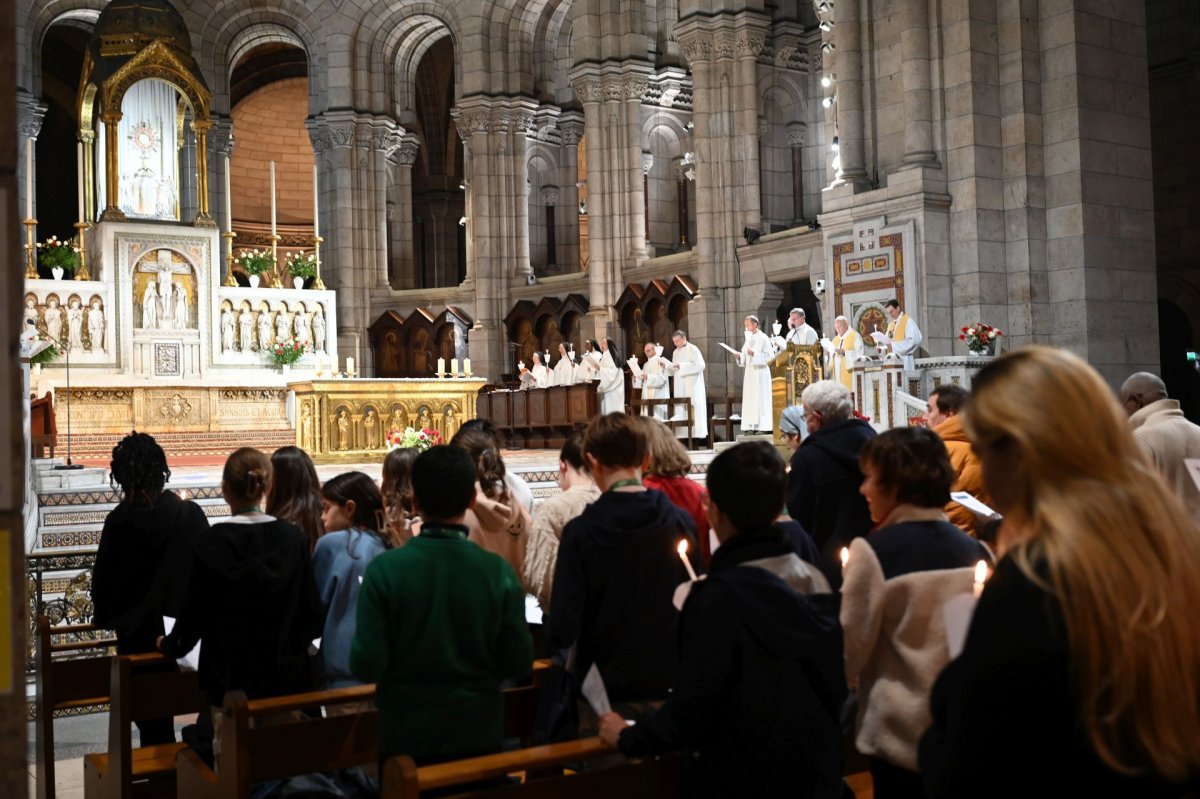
x=797, y=135
x=572, y=132
x=550, y=195
x=30, y=113
x=588, y=89
x=647, y=163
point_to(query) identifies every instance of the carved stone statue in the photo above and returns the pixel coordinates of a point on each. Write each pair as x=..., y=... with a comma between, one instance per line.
x=399, y=418
x=318, y=327
x=96, y=327
x=31, y=316
x=370, y=430
x=424, y=419
x=75, y=326
x=303, y=329
x=54, y=319
x=343, y=428
x=449, y=423
x=181, y=307
x=306, y=427
x=282, y=332
x=245, y=330
x=264, y=329
x=164, y=293
x=150, y=308
x=227, y=330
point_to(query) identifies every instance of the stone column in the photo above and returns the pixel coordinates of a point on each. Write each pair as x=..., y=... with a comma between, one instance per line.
x=570, y=124
x=30, y=114
x=918, y=106
x=220, y=143
x=404, y=266
x=647, y=165
x=796, y=136
x=847, y=37
x=497, y=210
x=203, y=218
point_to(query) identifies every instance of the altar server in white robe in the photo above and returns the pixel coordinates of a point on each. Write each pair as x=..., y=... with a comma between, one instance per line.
x=564, y=370
x=687, y=365
x=653, y=381
x=845, y=348
x=757, y=351
x=589, y=363
x=541, y=374
x=612, y=379
x=904, y=337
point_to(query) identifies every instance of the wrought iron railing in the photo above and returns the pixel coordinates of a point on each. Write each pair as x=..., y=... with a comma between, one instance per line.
x=71, y=600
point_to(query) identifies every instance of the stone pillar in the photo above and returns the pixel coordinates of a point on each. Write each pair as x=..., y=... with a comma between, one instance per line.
x=847, y=37
x=497, y=210
x=570, y=124
x=404, y=267
x=30, y=113
x=796, y=137
x=220, y=143
x=918, y=106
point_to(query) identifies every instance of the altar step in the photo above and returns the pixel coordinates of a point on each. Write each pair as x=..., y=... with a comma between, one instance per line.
x=203, y=448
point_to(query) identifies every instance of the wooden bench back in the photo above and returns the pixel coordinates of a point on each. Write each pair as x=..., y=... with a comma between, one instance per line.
x=64, y=683
x=403, y=779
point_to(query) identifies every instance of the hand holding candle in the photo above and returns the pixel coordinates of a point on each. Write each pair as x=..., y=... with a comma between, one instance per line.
x=687, y=564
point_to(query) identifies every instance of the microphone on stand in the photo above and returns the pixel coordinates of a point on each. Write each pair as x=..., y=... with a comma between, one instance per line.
x=69, y=464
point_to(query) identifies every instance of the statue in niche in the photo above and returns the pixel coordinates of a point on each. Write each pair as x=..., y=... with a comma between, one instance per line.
x=96, y=327
x=303, y=329
x=75, y=326
x=399, y=418
x=150, y=307
x=180, y=321
x=54, y=319
x=424, y=419
x=30, y=316
x=245, y=326
x=449, y=423
x=370, y=430
x=306, y=425
x=227, y=329
x=318, y=328
x=282, y=326
x=264, y=329
x=343, y=430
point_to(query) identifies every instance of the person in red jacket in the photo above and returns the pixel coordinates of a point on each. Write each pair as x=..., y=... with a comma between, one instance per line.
x=667, y=471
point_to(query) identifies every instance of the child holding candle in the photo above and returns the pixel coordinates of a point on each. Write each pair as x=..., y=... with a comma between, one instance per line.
x=759, y=688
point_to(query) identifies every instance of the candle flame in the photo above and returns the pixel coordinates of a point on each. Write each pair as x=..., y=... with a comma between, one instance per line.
x=981, y=571
x=682, y=547
x=845, y=556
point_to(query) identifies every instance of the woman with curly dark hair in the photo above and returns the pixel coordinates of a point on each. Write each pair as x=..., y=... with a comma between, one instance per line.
x=295, y=492
x=145, y=556
x=402, y=521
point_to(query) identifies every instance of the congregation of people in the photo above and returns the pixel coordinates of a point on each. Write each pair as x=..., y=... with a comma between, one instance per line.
x=753, y=621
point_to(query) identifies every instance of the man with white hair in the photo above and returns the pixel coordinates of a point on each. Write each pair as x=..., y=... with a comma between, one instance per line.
x=823, y=485
x=1161, y=429
x=845, y=348
x=757, y=414
x=687, y=366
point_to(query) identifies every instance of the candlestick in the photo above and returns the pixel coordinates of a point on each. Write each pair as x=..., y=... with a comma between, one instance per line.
x=317, y=284
x=466, y=367
x=454, y=367
x=230, y=280
x=79, y=175
x=316, y=204
x=275, y=238
x=31, y=272
x=441, y=366
x=273, y=198
x=29, y=178
x=687, y=564
x=981, y=575
x=82, y=273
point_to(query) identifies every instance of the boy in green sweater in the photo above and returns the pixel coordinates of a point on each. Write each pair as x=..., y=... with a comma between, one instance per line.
x=441, y=623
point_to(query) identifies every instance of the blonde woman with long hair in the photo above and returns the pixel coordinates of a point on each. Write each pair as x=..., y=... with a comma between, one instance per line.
x=1081, y=670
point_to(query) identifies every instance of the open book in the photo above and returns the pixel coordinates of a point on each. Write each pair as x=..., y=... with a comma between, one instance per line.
x=827, y=345
x=633, y=366
x=729, y=349
x=880, y=338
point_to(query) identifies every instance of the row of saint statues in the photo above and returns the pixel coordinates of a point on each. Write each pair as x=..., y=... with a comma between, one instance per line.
x=248, y=330
x=85, y=331
x=367, y=429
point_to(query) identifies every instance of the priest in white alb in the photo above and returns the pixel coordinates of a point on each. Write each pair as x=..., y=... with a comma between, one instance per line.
x=903, y=335
x=687, y=366
x=844, y=349
x=756, y=354
x=653, y=381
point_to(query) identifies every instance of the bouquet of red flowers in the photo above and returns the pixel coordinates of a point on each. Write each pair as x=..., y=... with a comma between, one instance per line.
x=286, y=353
x=980, y=338
x=411, y=438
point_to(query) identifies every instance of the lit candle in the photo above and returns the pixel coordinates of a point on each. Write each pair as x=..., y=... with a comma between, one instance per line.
x=350, y=366
x=981, y=575
x=441, y=367
x=845, y=556
x=79, y=170
x=273, y=200
x=29, y=178
x=454, y=367
x=228, y=197
x=316, y=204
x=467, y=367
x=183, y=494
x=687, y=564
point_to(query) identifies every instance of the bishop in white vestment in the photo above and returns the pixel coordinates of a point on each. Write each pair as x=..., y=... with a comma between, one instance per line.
x=687, y=364
x=757, y=415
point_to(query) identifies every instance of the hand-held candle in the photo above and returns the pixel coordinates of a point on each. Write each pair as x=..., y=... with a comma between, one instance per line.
x=981, y=575
x=845, y=557
x=687, y=564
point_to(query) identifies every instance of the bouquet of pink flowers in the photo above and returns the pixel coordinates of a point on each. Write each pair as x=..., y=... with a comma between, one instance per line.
x=286, y=353
x=411, y=438
x=980, y=338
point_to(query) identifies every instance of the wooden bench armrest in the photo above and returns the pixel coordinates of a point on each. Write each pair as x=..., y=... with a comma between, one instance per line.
x=193, y=778
x=284, y=704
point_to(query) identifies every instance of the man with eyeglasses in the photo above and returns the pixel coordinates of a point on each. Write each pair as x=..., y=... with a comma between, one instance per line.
x=1161, y=429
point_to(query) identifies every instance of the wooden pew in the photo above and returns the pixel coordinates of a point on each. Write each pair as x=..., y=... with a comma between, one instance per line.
x=64, y=683
x=144, y=686
x=266, y=739
x=629, y=779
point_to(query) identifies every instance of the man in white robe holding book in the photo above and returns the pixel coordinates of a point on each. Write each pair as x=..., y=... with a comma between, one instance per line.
x=687, y=366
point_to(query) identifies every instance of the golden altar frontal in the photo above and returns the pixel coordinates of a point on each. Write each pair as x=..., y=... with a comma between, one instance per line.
x=348, y=420
x=793, y=370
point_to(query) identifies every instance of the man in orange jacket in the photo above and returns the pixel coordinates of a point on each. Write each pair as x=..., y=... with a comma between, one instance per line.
x=944, y=405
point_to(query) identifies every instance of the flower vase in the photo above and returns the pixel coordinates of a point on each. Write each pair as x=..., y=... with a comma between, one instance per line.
x=287, y=369
x=974, y=353
x=36, y=369
x=254, y=281
x=57, y=271
x=298, y=282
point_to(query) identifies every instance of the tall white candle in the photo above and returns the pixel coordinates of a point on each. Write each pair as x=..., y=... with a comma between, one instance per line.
x=467, y=367
x=272, y=198
x=454, y=367
x=79, y=165
x=29, y=178
x=350, y=367
x=316, y=204
x=441, y=367
x=228, y=197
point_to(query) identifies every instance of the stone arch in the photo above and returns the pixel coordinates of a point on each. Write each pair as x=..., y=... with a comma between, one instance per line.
x=388, y=46
x=42, y=17
x=665, y=138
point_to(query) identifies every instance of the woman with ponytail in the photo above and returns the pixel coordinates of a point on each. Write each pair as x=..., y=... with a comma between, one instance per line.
x=1080, y=675
x=352, y=512
x=251, y=599
x=498, y=521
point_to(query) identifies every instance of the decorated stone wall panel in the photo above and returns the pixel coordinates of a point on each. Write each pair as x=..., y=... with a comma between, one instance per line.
x=871, y=264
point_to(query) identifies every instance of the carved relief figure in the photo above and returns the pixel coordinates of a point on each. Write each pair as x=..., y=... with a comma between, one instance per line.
x=399, y=418
x=303, y=329
x=96, y=327
x=424, y=419
x=318, y=327
x=30, y=316
x=343, y=430
x=245, y=328
x=449, y=423
x=371, y=430
x=227, y=329
x=264, y=328
x=282, y=326
x=54, y=319
x=306, y=427
x=181, y=307
x=150, y=308
x=75, y=325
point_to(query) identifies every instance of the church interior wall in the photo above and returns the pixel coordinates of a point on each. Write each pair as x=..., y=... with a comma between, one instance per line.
x=269, y=125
